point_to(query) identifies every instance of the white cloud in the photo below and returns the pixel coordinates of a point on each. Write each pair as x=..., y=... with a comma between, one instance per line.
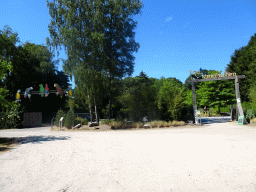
x=168, y=19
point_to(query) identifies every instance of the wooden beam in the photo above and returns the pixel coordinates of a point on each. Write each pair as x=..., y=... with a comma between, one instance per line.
x=194, y=103
x=216, y=78
x=238, y=101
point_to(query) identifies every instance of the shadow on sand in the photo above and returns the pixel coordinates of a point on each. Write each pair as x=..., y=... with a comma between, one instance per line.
x=8, y=143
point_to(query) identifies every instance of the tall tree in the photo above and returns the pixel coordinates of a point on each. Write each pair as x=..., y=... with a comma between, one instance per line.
x=139, y=97
x=243, y=62
x=169, y=98
x=99, y=34
x=216, y=93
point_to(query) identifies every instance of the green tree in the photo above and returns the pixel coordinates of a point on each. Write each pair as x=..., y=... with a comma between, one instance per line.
x=139, y=97
x=98, y=34
x=219, y=93
x=170, y=99
x=3, y=92
x=70, y=118
x=243, y=62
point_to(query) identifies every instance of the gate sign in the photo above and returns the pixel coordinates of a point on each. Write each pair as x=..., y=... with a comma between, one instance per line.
x=240, y=120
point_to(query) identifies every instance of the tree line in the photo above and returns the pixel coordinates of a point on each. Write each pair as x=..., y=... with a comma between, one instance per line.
x=24, y=65
x=99, y=39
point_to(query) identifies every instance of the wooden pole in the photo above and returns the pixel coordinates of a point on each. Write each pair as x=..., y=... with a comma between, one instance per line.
x=238, y=101
x=194, y=102
x=231, y=112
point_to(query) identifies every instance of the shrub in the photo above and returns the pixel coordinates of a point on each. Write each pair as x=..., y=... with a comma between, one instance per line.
x=175, y=123
x=12, y=117
x=253, y=120
x=70, y=118
x=59, y=114
x=153, y=124
x=107, y=121
x=84, y=121
x=139, y=125
x=249, y=115
x=160, y=123
x=116, y=124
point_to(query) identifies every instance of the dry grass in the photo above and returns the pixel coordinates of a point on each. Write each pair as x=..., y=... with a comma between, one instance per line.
x=126, y=125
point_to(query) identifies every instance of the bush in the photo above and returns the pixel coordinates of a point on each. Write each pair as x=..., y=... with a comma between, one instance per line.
x=70, y=119
x=59, y=114
x=81, y=121
x=249, y=115
x=138, y=125
x=107, y=121
x=12, y=117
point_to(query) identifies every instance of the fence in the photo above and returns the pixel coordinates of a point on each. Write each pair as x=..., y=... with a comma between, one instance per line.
x=82, y=115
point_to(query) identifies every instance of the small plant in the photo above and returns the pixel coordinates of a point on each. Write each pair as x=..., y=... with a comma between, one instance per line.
x=160, y=123
x=249, y=115
x=153, y=124
x=165, y=124
x=59, y=114
x=107, y=121
x=175, y=123
x=81, y=121
x=139, y=125
x=70, y=119
x=12, y=117
x=116, y=124
x=182, y=123
x=253, y=120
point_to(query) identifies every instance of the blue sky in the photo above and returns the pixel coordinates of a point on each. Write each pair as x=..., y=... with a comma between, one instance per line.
x=174, y=36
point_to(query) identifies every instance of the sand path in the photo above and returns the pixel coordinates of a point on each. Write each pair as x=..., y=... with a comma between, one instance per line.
x=217, y=157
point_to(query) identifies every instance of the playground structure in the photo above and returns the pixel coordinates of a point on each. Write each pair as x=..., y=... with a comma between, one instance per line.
x=215, y=77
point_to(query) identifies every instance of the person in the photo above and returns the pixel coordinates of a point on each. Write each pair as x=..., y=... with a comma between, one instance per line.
x=205, y=109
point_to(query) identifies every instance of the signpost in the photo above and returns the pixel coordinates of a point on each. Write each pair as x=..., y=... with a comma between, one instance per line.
x=60, y=123
x=214, y=78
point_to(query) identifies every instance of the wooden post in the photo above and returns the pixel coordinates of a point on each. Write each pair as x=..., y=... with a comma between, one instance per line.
x=194, y=102
x=231, y=112
x=238, y=101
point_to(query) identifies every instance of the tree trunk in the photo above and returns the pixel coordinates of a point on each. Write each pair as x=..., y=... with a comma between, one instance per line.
x=89, y=105
x=110, y=99
x=96, y=114
x=231, y=112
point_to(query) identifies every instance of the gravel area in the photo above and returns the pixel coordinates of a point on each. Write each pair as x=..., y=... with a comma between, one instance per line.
x=213, y=157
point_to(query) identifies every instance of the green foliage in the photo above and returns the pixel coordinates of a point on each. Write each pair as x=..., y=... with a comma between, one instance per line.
x=70, y=119
x=12, y=117
x=107, y=121
x=60, y=114
x=243, y=62
x=3, y=93
x=139, y=97
x=100, y=41
x=169, y=99
x=81, y=121
x=252, y=96
x=214, y=93
x=249, y=115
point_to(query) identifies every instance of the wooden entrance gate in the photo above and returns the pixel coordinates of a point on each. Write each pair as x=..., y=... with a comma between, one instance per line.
x=217, y=77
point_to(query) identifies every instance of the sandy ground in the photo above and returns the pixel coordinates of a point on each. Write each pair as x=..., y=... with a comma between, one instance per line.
x=215, y=157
